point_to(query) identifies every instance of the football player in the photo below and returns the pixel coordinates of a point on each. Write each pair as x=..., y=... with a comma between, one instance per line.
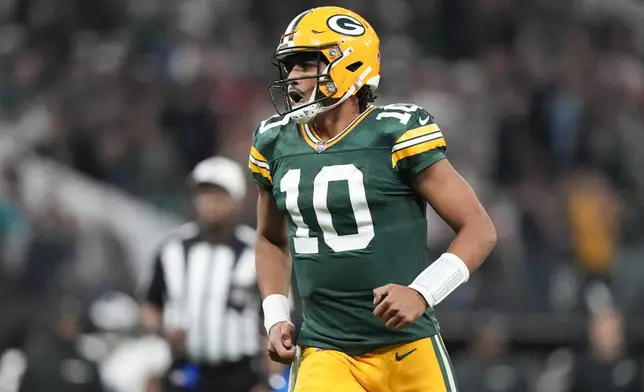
x=343, y=188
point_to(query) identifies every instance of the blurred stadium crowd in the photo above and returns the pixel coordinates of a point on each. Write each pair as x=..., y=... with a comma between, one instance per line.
x=541, y=103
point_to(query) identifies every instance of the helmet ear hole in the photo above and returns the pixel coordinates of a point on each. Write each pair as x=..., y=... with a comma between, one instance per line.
x=354, y=66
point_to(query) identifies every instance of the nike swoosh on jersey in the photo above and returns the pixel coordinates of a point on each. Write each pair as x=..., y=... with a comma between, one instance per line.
x=400, y=357
x=424, y=121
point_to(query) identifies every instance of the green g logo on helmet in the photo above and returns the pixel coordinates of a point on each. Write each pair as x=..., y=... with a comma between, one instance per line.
x=346, y=25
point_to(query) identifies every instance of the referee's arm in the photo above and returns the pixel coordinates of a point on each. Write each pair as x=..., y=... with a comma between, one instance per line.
x=152, y=311
x=152, y=307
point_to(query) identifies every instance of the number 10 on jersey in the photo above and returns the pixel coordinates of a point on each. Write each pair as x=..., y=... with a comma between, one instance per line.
x=303, y=242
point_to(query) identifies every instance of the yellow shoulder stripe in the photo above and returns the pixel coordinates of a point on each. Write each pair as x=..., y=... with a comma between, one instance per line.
x=412, y=133
x=416, y=149
x=261, y=171
x=255, y=154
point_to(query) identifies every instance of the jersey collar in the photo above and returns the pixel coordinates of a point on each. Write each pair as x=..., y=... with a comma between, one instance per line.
x=316, y=142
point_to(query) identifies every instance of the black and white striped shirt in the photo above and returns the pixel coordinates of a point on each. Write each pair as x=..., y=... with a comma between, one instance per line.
x=211, y=291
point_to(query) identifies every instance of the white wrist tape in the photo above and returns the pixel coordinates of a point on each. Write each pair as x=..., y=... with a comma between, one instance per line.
x=276, y=310
x=438, y=280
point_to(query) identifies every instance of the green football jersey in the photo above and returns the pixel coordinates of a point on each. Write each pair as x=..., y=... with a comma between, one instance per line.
x=354, y=220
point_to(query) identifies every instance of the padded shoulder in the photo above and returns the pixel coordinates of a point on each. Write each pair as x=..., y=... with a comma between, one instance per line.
x=396, y=120
x=266, y=134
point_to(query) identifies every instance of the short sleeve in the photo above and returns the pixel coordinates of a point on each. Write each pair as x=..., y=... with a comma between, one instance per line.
x=420, y=145
x=258, y=165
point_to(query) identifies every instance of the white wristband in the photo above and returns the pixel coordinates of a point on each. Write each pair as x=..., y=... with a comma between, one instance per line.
x=276, y=310
x=438, y=280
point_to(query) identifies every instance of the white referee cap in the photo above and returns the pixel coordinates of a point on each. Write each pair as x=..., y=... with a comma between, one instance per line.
x=222, y=172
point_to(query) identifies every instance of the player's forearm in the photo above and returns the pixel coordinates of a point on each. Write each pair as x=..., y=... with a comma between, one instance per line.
x=474, y=241
x=454, y=200
x=272, y=260
x=273, y=277
x=273, y=264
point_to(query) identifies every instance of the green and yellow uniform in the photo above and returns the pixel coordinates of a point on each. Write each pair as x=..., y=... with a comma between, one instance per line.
x=355, y=223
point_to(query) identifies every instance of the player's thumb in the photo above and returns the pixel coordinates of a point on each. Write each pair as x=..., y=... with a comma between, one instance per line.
x=286, y=330
x=380, y=292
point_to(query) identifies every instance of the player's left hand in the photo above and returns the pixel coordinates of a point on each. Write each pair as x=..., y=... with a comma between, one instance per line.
x=398, y=306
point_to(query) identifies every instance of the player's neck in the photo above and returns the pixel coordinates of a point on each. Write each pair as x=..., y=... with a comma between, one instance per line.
x=333, y=122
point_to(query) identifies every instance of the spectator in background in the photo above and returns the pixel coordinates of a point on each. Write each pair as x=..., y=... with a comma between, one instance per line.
x=13, y=217
x=35, y=257
x=607, y=366
x=135, y=358
x=51, y=246
x=191, y=123
x=54, y=362
x=14, y=223
x=594, y=223
x=489, y=366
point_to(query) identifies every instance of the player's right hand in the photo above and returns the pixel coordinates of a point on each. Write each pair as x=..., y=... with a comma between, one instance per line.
x=280, y=342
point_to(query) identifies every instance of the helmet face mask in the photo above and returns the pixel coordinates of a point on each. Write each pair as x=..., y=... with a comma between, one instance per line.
x=346, y=51
x=279, y=90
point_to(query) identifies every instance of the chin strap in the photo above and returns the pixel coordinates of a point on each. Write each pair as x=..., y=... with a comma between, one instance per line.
x=307, y=113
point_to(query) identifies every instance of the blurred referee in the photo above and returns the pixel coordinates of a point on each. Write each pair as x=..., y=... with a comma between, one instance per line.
x=202, y=295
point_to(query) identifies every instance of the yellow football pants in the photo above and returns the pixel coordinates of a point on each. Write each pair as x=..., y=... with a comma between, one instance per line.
x=420, y=366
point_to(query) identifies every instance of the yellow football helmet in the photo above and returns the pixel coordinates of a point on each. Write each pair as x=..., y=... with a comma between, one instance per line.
x=346, y=43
